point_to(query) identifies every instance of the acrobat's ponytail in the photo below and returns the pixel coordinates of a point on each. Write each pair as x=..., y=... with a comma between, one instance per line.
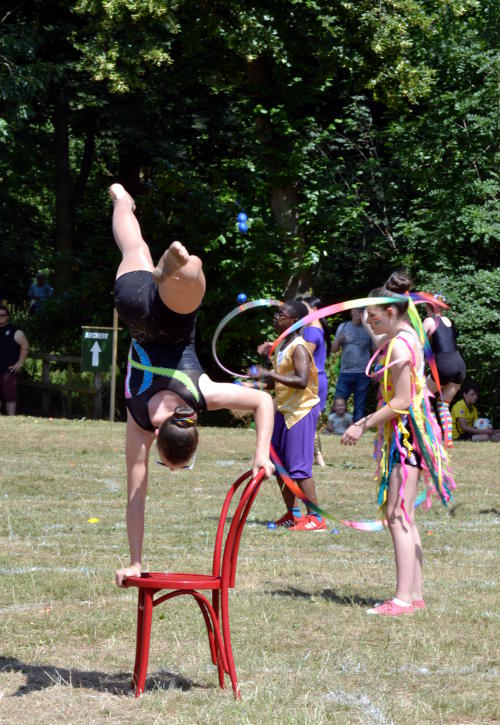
x=178, y=435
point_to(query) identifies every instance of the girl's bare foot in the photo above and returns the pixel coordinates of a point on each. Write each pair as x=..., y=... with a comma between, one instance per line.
x=175, y=257
x=117, y=191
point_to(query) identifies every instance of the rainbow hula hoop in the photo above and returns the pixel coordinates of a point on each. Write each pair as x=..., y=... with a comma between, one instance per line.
x=417, y=297
x=231, y=315
x=413, y=298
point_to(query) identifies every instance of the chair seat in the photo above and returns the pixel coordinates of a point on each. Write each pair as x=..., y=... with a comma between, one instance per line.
x=173, y=580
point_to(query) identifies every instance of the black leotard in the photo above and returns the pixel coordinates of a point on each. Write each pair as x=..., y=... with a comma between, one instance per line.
x=162, y=355
x=450, y=363
x=140, y=307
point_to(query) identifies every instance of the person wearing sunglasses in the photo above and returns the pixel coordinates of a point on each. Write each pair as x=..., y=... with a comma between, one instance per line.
x=295, y=382
x=14, y=348
x=166, y=386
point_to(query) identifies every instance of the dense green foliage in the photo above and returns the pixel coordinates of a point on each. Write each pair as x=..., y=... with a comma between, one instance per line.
x=357, y=136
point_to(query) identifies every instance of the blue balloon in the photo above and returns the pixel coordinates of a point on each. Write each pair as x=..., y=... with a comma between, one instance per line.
x=242, y=217
x=243, y=226
x=242, y=298
x=253, y=370
x=271, y=525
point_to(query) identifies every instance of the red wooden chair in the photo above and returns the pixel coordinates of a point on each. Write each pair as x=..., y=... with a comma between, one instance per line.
x=219, y=582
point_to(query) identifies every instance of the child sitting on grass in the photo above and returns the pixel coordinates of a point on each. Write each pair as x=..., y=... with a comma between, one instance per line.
x=464, y=414
x=339, y=419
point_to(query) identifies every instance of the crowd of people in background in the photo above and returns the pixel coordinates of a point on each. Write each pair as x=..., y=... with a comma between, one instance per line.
x=353, y=344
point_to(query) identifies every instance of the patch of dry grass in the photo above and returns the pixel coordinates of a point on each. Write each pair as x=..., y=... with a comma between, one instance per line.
x=305, y=650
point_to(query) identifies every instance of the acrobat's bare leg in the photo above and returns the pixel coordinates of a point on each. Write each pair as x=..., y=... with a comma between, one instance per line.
x=180, y=279
x=127, y=233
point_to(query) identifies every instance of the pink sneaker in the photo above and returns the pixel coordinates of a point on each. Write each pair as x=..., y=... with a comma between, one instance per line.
x=418, y=604
x=288, y=520
x=310, y=523
x=390, y=609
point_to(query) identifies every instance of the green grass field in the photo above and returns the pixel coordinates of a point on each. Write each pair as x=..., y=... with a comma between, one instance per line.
x=305, y=650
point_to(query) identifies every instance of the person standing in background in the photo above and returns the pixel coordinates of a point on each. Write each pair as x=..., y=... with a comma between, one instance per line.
x=449, y=362
x=317, y=335
x=39, y=291
x=356, y=347
x=14, y=348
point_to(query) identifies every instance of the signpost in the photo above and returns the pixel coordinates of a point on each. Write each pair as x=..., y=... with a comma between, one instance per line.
x=99, y=346
x=96, y=349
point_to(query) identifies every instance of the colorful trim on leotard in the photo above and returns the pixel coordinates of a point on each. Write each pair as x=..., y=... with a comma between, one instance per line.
x=150, y=370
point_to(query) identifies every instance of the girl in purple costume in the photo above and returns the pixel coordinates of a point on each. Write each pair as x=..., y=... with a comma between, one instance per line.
x=295, y=380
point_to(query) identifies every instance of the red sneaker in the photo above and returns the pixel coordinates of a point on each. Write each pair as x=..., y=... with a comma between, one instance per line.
x=390, y=609
x=310, y=523
x=288, y=520
x=418, y=604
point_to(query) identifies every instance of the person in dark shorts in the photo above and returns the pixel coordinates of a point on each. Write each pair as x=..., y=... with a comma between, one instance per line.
x=165, y=385
x=14, y=348
x=449, y=362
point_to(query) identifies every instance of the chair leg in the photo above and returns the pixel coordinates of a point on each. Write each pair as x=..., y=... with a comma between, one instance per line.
x=209, y=625
x=138, y=640
x=217, y=647
x=220, y=666
x=142, y=647
x=227, y=642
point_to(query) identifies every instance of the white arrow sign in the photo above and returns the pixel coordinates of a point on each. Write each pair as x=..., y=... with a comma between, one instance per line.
x=95, y=350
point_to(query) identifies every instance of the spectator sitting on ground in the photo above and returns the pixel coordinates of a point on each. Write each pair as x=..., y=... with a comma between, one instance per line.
x=464, y=415
x=339, y=419
x=38, y=292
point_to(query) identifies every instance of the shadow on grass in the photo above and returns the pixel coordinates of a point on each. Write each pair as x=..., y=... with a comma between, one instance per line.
x=40, y=677
x=329, y=594
x=490, y=511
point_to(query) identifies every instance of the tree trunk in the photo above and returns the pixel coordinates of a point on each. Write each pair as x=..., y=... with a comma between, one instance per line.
x=284, y=202
x=283, y=199
x=64, y=212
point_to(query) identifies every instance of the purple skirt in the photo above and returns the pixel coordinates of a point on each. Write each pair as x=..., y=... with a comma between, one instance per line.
x=295, y=445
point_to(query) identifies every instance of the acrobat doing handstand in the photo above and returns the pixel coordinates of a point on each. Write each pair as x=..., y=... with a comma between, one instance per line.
x=165, y=386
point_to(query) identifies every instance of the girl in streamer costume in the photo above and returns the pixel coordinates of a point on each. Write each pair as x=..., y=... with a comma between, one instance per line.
x=165, y=385
x=410, y=440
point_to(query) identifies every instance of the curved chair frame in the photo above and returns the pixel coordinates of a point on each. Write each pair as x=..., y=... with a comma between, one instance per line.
x=221, y=579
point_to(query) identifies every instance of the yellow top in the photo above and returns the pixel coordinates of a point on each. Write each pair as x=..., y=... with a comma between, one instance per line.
x=462, y=410
x=294, y=403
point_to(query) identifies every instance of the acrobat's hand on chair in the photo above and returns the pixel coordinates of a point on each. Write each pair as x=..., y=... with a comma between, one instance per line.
x=122, y=574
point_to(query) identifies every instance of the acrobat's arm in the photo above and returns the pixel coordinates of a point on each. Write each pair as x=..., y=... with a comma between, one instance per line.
x=137, y=447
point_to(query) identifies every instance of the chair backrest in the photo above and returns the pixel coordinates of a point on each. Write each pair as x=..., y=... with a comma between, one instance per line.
x=226, y=552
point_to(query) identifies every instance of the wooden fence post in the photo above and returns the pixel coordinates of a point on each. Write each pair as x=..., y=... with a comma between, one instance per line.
x=98, y=395
x=46, y=381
